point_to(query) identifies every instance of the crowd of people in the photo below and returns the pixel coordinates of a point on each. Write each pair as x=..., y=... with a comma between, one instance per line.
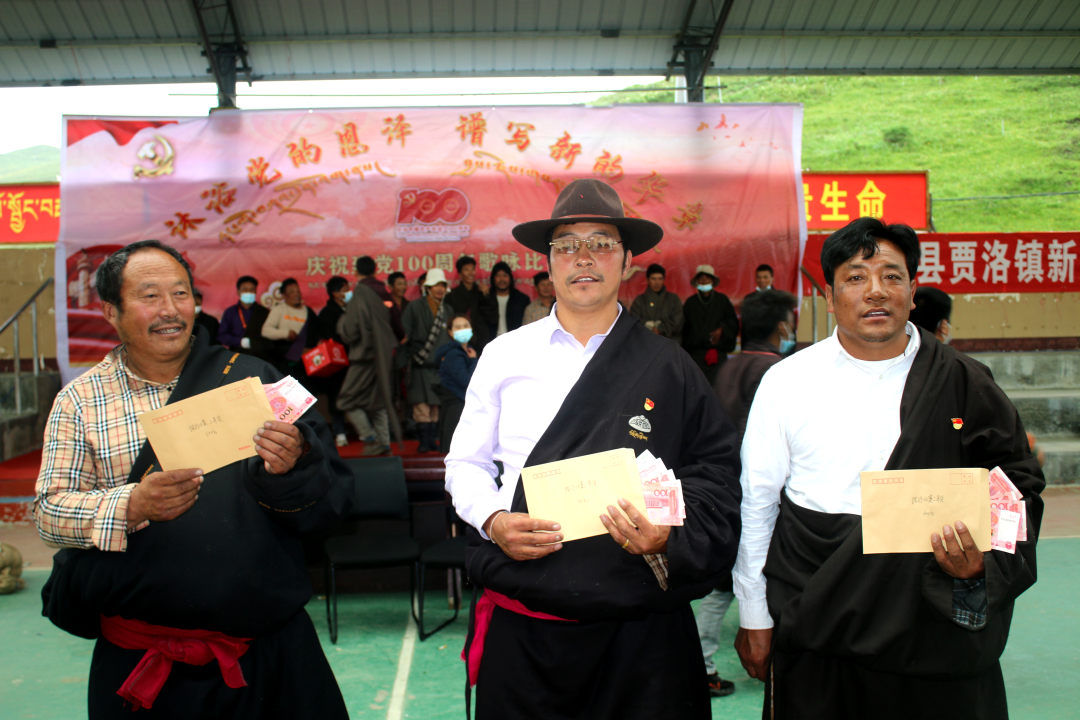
x=706, y=324
x=768, y=445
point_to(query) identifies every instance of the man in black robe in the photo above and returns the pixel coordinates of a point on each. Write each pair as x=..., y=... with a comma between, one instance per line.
x=171, y=571
x=710, y=325
x=600, y=627
x=833, y=632
x=367, y=393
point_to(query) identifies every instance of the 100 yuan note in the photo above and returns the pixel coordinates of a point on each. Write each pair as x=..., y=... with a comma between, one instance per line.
x=288, y=399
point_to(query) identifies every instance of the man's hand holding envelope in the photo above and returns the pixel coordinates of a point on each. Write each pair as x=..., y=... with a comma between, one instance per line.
x=209, y=431
x=950, y=507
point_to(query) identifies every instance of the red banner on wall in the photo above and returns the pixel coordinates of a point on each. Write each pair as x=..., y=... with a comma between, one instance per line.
x=29, y=213
x=985, y=262
x=834, y=199
x=294, y=193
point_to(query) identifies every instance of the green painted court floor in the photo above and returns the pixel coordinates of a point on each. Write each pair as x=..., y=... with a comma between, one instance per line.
x=45, y=670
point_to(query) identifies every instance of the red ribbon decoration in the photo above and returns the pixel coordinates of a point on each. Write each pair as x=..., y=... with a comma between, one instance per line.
x=163, y=646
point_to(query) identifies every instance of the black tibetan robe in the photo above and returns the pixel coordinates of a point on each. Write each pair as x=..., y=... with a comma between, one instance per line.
x=634, y=652
x=233, y=563
x=871, y=636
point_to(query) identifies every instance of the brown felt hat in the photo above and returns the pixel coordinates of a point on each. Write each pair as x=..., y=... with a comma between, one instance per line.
x=590, y=201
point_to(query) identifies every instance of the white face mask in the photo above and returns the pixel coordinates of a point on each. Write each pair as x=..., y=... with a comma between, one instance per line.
x=198, y=309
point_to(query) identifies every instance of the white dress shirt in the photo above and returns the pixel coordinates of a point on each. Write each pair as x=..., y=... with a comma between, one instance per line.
x=819, y=418
x=519, y=384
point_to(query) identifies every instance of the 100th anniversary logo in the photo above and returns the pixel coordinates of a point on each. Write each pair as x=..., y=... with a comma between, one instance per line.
x=431, y=215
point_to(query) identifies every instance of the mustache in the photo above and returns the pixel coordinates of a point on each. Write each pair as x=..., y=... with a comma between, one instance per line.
x=158, y=324
x=593, y=274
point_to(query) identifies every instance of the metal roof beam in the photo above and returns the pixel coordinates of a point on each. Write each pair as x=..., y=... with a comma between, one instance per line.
x=697, y=56
x=223, y=47
x=553, y=34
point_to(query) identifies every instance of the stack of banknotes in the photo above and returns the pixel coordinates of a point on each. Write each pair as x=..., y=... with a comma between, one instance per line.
x=663, y=492
x=1008, y=513
x=288, y=399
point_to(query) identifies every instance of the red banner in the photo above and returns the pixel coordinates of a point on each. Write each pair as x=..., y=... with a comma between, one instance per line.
x=303, y=193
x=29, y=213
x=835, y=199
x=985, y=262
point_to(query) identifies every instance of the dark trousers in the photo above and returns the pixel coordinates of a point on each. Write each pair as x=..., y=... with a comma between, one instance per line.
x=286, y=671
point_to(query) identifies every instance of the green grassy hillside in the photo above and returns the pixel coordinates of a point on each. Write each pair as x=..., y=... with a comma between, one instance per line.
x=40, y=163
x=976, y=136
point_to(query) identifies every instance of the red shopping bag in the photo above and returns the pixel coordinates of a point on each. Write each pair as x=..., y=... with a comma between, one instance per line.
x=325, y=359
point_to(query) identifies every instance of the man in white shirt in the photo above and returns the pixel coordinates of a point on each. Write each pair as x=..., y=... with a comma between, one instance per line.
x=835, y=633
x=564, y=630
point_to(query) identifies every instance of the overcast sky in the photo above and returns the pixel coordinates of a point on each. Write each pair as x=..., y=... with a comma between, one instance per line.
x=31, y=116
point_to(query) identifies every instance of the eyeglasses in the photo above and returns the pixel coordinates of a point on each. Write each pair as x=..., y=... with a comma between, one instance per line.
x=598, y=244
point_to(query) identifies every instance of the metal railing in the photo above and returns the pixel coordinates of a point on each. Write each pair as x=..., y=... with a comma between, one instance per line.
x=817, y=289
x=13, y=322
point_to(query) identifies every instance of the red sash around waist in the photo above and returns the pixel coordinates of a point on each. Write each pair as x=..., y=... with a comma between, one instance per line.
x=485, y=606
x=164, y=645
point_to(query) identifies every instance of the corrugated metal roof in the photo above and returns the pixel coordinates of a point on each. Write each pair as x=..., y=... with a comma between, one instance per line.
x=156, y=41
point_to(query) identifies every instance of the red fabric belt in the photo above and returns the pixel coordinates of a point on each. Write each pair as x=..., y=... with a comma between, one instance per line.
x=164, y=645
x=485, y=606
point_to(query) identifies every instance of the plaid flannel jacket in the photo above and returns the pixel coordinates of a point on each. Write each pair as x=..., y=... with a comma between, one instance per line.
x=92, y=439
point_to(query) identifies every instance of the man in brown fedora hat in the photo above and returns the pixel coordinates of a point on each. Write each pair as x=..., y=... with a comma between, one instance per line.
x=599, y=627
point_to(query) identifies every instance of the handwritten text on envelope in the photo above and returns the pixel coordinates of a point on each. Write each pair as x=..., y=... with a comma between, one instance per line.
x=901, y=508
x=209, y=430
x=575, y=492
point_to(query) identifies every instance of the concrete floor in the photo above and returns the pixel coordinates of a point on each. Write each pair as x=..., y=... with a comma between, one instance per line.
x=385, y=673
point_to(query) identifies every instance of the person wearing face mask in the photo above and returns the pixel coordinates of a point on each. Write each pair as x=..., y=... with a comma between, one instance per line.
x=768, y=333
x=337, y=288
x=207, y=321
x=241, y=324
x=710, y=325
x=933, y=308
x=456, y=362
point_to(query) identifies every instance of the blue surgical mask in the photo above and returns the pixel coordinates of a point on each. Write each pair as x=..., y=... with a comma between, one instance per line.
x=787, y=343
x=247, y=298
x=463, y=336
x=348, y=296
x=704, y=288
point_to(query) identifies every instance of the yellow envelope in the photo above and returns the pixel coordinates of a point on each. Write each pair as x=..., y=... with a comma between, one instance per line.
x=209, y=430
x=575, y=492
x=901, y=508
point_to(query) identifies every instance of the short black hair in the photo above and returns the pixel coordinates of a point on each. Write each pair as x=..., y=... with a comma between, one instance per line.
x=542, y=275
x=762, y=267
x=861, y=236
x=393, y=278
x=654, y=269
x=196, y=292
x=286, y=283
x=246, y=279
x=365, y=265
x=109, y=278
x=931, y=307
x=763, y=311
x=502, y=267
x=334, y=284
x=463, y=261
x=420, y=280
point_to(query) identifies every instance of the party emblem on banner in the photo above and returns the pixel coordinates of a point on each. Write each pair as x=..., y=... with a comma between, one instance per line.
x=160, y=153
x=431, y=215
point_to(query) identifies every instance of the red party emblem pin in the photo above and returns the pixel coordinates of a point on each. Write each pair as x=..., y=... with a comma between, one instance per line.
x=649, y=404
x=958, y=423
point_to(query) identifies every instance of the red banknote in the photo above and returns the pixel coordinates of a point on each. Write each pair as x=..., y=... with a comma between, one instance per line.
x=288, y=399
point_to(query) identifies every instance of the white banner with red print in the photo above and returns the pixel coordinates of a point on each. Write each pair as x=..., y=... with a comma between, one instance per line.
x=295, y=193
